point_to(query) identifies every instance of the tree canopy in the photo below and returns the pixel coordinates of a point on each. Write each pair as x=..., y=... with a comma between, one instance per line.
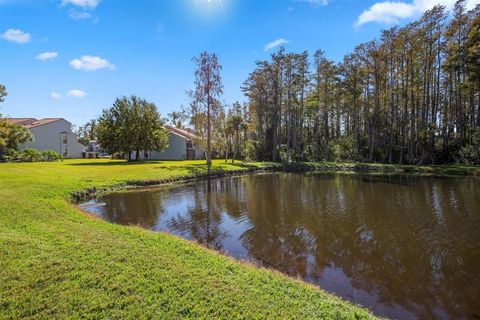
x=3, y=92
x=131, y=125
x=413, y=96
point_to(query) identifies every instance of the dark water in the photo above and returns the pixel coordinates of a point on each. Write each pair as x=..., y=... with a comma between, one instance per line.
x=403, y=246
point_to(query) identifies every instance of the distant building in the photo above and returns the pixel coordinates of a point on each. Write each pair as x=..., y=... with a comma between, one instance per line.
x=181, y=146
x=51, y=134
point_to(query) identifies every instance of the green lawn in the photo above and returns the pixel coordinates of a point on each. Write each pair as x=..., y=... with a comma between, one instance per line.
x=57, y=262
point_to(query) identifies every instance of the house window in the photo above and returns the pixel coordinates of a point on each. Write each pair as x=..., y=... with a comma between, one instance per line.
x=64, y=143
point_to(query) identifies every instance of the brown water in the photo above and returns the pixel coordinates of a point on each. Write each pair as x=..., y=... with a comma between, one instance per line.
x=403, y=246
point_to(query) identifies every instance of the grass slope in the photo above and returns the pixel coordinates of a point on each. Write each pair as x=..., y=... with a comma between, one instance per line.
x=56, y=262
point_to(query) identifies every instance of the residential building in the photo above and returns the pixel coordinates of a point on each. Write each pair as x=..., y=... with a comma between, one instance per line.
x=51, y=134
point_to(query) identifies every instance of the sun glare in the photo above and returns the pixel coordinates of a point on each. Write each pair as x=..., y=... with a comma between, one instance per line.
x=210, y=8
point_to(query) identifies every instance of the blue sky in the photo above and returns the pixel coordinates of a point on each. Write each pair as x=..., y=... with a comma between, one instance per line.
x=72, y=58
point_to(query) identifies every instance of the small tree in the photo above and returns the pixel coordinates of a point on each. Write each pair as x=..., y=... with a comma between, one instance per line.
x=3, y=129
x=87, y=132
x=3, y=92
x=236, y=124
x=11, y=135
x=131, y=124
x=206, y=97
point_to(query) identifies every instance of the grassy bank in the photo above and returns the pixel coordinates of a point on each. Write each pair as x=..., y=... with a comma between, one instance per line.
x=57, y=262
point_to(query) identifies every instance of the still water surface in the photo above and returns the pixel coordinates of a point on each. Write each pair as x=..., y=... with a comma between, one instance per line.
x=403, y=246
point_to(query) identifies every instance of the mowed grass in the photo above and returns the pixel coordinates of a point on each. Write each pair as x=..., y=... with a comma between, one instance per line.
x=57, y=262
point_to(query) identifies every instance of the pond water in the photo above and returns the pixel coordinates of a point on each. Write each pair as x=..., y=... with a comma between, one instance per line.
x=402, y=246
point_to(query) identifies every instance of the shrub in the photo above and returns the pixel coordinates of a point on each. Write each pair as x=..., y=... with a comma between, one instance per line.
x=10, y=155
x=249, y=150
x=30, y=155
x=51, y=156
x=470, y=154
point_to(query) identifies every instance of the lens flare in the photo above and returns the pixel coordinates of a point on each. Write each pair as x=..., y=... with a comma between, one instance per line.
x=209, y=8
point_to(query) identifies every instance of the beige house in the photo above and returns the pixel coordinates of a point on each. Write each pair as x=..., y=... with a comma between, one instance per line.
x=51, y=134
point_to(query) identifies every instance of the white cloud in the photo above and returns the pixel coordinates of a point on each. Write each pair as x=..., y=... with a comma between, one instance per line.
x=75, y=93
x=389, y=12
x=15, y=35
x=86, y=4
x=275, y=44
x=81, y=15
x=55, y=95
x=90, y=63
x=46, y=56
x=315, y=2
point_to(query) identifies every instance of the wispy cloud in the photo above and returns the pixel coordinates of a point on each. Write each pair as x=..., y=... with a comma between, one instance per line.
x=16, y=35
x=47, y=55
x=274, y=44
x=314, y=2
x=81, y=15
x=390, y=12
x=91, y=63
x=85, y=4
x=75, y=93
x=82, y=9
x=55, y=95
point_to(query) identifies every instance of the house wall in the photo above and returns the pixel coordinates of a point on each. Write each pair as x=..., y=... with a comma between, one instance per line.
x=199, y=153
x=177, y=149
x=48, y=137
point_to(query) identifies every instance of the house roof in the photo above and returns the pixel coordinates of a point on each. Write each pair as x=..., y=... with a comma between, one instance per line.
x=183, y=132
x=32, y=122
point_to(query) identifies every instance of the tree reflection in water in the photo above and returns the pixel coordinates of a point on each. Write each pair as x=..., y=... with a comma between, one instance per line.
x=401, y=245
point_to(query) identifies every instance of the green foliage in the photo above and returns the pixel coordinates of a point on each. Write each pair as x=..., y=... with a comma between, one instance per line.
x=131, y=124
x=473, y=52
x=470, y=154
x=249, y=150
x=51, y=156
x=87, y=132
x=410, y=96
x=3, y=92
x=343, y=149
x=11, y=135
x=10, y=155
x=30, y=155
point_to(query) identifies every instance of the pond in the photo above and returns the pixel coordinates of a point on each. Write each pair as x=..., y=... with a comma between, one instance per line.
x=402, y=246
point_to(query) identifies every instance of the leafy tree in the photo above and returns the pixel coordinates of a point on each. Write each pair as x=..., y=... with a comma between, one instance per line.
x=11, y=135
x=235, y=123
x=87, y=132
x=3, y=92
x=131, y=124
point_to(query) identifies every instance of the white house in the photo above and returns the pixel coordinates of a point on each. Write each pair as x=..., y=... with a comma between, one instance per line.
x=181, y=146
x=51, y=134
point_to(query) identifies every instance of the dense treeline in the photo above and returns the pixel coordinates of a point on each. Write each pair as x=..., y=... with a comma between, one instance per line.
x=411, y=97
